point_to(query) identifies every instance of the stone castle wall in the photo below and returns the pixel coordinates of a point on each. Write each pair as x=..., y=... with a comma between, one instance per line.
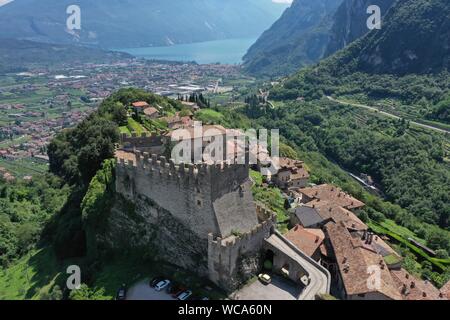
x=180, y=205
x=235, y=259
x=144, y=142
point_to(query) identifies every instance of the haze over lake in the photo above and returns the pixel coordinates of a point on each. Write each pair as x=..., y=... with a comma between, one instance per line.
x=228, y=51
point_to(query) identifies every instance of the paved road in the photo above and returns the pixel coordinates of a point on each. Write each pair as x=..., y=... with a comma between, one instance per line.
x=426, y=126
x=320, y=278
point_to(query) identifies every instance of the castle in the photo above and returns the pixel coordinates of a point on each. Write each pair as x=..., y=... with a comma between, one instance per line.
x=200, y=217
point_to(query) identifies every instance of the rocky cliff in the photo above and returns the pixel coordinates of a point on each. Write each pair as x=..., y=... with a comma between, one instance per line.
x=298, y=38
x=350, y=22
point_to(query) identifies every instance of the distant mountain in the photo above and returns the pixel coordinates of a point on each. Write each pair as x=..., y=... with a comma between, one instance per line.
x=406, y=61
x=298, y=38
x=350, y=22
x=308, y=32
x=20, y=54
x=414, y=39
x=135, y=23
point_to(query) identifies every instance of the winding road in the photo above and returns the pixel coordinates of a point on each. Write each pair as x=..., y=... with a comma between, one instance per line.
x=387, y=114
x=319, y=276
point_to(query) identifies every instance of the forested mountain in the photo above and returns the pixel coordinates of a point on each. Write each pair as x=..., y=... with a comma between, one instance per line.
x=414, y=38
x=404, y=67
x=405, y=64
x=134, y=23
x=298, y=38
x=19, y=54
x=350, y=22
x=308, y=32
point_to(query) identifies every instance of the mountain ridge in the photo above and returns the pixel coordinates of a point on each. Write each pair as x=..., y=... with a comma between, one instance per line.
x=138, y=23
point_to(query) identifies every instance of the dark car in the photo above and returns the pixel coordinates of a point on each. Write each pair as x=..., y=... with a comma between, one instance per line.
x=155, y=281
x=177, y=290
x=121, y=293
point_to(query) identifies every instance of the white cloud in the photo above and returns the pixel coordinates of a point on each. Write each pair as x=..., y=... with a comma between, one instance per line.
x=3, y=2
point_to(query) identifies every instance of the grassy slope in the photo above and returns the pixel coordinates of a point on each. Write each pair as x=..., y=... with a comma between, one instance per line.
x=33, y=274
x=272, y=198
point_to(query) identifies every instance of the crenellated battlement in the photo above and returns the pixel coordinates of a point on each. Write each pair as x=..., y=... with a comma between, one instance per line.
x=143, y=140
x=151, y=163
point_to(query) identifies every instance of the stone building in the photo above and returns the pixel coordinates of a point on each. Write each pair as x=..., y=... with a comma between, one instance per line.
x=200, y=217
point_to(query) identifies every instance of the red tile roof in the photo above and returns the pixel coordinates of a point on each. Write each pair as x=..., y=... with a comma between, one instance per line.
x=328, y=210
x=326, y=192
x=150, y=111
x=354, y=260
x=140, y=104
x=307, y=240
x=445, y=290
x=412, y=288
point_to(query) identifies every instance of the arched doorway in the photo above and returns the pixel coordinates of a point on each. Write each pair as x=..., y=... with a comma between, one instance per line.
x=268, y=260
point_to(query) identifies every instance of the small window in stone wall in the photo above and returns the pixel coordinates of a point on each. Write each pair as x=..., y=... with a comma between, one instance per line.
x=199, y=203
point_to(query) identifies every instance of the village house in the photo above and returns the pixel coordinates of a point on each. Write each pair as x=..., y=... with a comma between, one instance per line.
x=331, y=194
x=354, y=262
x=317, y=213
x=151, y=112
x=310, y=241
x=290, y=173
x=177, y=122
x=139, y=106
x=412, y=288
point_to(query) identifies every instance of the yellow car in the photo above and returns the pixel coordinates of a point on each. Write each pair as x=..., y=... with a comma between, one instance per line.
x=265, y=278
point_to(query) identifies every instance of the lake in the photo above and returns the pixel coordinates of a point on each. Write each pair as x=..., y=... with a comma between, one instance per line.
x=228, y=51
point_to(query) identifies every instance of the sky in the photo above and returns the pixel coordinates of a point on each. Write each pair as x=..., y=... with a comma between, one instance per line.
x=3, y=2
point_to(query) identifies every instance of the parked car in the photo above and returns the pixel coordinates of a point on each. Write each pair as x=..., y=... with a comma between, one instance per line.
x=161, y=285
x=184, y=295
x=175, y=290
x=265, y=278
x=121, y=293
x=155, y=281
x=305, y=280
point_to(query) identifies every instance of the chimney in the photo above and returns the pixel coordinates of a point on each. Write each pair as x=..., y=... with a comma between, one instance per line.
x=345, y=260
x=404, y=289
x=364, y=236
x=413, y=284
x=407, y=276
x=424, y=294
